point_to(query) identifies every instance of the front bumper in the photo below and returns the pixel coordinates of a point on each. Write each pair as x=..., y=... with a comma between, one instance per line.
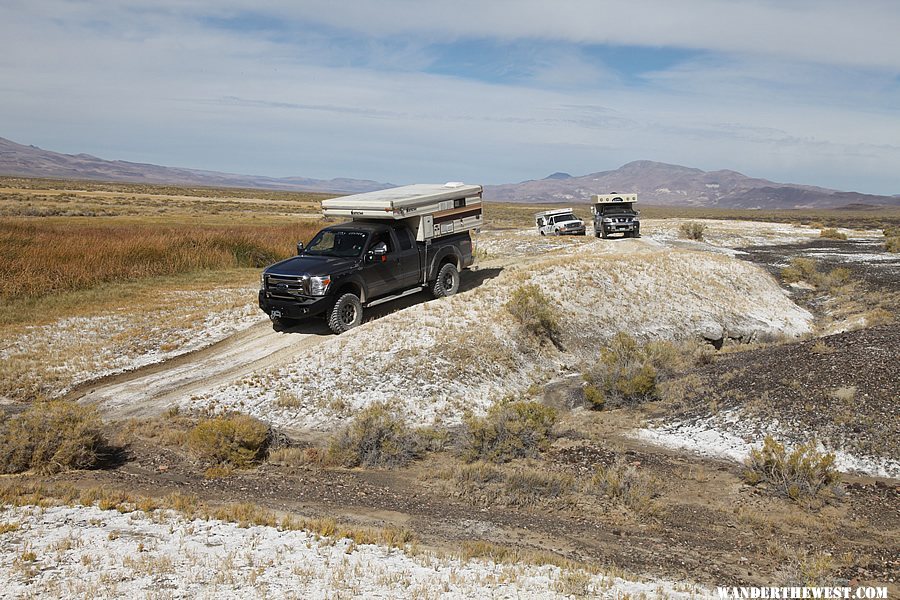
x=620, y=227
x=294, y=308
x=572, y=231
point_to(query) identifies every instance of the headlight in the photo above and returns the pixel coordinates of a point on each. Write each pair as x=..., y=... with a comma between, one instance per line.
x=318, y=286
x=607, y=220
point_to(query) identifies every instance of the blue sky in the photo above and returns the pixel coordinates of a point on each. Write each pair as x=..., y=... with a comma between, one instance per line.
x=486, y=92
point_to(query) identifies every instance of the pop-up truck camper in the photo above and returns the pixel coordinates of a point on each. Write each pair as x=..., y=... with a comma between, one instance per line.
x=398, y=241
x=615, y=213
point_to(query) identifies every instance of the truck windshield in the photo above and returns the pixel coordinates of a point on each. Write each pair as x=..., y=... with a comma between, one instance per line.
x=562, y=218
x=338, y=242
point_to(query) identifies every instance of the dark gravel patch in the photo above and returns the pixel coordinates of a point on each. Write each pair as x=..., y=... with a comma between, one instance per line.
x=843, y=389
x=866, y=259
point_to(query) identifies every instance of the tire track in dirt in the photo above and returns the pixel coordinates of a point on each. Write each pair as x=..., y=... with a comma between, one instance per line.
x=150, y=390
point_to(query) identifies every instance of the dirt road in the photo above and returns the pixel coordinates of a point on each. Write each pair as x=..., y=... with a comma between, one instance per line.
x=149, y=390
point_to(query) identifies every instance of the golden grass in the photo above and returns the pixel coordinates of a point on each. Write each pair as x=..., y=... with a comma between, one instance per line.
x=41, y=258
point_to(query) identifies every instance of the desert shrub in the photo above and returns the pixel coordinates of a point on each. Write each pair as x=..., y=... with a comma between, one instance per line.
x=626, y=484
x=804, y=472
x=509, y=430
x=892, y=239
x=628, y=373
x=235, y=440
x=577, y=584
x=377, y=437
x=800, y=269
x=806, y=269
x=692, y=230
x=832, y=234
x=534, y=311
x=50, y=437
x=594, y=397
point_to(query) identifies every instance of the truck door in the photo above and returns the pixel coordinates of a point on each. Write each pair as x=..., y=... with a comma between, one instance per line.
x=406, y=257
x=378, y=274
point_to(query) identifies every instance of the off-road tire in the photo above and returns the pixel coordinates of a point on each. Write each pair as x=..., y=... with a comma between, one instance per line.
x=345, y=314
x=447, y=281
x=603, y=233
x=542, y=233
x=556, y=232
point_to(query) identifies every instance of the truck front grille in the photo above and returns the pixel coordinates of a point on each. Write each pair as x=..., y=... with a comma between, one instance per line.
x=287, y=286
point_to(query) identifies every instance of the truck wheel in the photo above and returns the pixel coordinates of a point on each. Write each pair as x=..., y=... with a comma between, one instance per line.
x=346, y=314
x=542, y=232
x=556, y=232
x=603, y=233
x=447, y=282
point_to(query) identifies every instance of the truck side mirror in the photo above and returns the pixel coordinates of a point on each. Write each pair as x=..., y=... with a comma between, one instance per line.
x=299, y=248
x=378, y=252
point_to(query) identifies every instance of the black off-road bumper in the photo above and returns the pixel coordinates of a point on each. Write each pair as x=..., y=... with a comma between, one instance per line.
x=620, y=228
x=299, y=308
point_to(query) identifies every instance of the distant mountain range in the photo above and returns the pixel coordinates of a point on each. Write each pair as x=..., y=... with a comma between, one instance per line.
x=655, y=183
x=31, y=161
x=673, y=185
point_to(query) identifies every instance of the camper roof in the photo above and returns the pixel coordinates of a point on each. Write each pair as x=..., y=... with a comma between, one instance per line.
x=404, y=198
x=613, y=198
x=555, y=211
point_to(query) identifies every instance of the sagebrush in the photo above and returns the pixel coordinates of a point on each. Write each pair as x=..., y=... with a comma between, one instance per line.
x=235, y=440
x=629, y=373
x=803, y=472
x=534, y=312
x=511, y=429
x=377, y=437
x=692, y=230
x=50, y=437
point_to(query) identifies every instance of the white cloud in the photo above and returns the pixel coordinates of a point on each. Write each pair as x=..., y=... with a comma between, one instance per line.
x=161, y=84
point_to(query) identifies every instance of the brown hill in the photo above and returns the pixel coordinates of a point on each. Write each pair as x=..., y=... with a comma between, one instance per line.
x=31, y=161
x=674, y=185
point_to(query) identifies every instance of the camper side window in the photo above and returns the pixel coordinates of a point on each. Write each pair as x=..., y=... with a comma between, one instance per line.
x=403, y=237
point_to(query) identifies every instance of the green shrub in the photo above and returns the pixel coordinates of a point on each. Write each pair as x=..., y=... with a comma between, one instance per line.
x=594, y=397
x=237, y=440
x=50, y=437
x=801, y=473
x=510, y=430
x=800, y=269
x=628, y=373
x=692, y=230
x=806, y=269
x=832, y=234
x=534, y=311
x=377, y=437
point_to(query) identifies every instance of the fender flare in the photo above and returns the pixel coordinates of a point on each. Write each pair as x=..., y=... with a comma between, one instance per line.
x=439, y=257
x=353, y=280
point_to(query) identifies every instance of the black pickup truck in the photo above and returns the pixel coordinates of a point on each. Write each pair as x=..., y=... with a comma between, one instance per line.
x=360, y=264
